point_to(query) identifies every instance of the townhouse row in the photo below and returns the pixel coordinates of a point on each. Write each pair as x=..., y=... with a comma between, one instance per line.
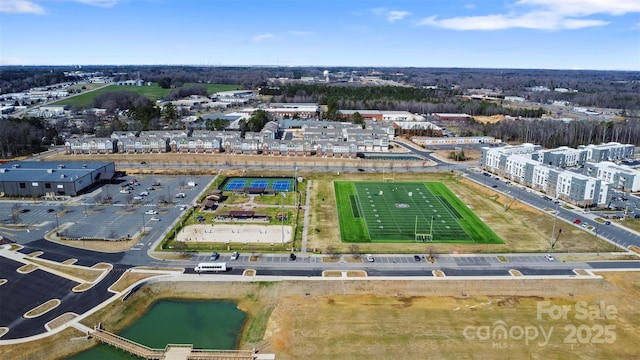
x=339, y=140
x=585, y=176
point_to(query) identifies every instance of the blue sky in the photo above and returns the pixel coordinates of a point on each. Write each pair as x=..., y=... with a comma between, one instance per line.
x=550, y=34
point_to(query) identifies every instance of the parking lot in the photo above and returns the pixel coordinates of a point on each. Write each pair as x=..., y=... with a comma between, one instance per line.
x=111, y=211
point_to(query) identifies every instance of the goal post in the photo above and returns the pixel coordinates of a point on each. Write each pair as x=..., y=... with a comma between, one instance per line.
x=423, y=237
x=387, y=176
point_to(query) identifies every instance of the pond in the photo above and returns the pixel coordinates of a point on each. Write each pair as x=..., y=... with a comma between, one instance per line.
x=205, y=324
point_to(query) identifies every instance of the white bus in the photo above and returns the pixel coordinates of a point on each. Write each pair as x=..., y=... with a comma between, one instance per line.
x=211, y=266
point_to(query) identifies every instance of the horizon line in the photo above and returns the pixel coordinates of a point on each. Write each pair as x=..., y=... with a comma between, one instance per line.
x=319, y=66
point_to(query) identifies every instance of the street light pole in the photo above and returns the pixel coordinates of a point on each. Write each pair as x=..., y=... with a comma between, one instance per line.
x=553, y=230
x=295, y=178
x=282, y=215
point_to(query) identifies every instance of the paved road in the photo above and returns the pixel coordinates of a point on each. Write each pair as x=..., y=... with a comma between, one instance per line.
x=26, y=291
x=613, y=233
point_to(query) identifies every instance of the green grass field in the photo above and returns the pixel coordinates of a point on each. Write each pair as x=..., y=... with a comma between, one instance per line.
x=153, y=92
x=395, y=211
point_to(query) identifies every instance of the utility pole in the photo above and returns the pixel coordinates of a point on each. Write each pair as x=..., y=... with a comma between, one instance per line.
x=282, y=215
x=553, y=230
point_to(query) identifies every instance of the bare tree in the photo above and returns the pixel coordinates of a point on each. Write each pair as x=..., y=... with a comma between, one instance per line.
x=331, y=251
x=355, y=250
x=430, y=251
x=15, y=213
x=180, y=246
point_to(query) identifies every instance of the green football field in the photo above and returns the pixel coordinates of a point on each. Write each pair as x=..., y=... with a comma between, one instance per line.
x=397, y=211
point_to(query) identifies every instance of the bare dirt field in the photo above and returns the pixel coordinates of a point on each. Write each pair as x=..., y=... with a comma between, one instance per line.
x=239, y=233
x=489, y=119
x=408, y=319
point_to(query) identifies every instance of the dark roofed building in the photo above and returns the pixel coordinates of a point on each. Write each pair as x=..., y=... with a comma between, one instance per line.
x=47, y=178
x=242, y=215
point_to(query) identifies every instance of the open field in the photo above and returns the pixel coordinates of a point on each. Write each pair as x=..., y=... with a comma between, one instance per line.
x=153, y=92
x=521, y=227
x=358, y=319
x=397, y=211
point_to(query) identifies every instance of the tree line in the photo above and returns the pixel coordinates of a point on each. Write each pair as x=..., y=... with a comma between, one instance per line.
x=554, y=133
x=19, y=137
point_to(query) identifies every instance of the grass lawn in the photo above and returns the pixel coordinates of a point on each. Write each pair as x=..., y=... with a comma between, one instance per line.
x=395, y=212
x=153, y=92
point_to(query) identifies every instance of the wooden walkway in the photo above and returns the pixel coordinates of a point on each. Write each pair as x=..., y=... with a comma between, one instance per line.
x=171, y=352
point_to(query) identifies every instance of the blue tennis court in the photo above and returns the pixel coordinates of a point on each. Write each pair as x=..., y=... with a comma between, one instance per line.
x=259, y=184
x=281, y=185
x=236, y=184
x=268, y=183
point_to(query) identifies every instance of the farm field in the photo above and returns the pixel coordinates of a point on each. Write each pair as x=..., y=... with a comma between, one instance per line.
x=153, y=92
x=407, y=212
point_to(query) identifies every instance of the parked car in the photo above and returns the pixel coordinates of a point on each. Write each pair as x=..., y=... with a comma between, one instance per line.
x=292, y=257
x=150, y=188
x=180, y=195
x=577, y=221
x=416, y=257
x=607, y=222
x=144, y=193
x=370, y=258
x=155, y=218
x=549, y=257
x=151, y=212
x=137, y=198
x=155, y=184
x=125, y=191
x=215, y=256
x=235, y=255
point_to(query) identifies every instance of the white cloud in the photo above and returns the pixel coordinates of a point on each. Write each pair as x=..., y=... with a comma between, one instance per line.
x=262, y=37
x=20, y=7
x=32, y=7
x=11, y=61
x=586, y=7
x=534, y=20
x=101, y=3
x=390, y=15
x=541, y=15
x=393, y=15
x=379, y=11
